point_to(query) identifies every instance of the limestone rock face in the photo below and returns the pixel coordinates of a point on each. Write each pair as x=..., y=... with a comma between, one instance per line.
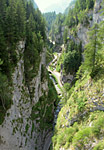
x=82, y=30
x=67, y=78
x=82, y=35
x=19, y=131
x=96, y=15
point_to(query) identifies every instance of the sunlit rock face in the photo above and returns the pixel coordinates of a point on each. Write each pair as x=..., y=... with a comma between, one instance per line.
x=20, y=130
x=97, y=18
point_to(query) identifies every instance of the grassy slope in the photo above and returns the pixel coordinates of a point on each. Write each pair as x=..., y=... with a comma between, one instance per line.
x=80, y=123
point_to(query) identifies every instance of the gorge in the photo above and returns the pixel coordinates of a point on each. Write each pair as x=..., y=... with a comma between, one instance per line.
x=51, y=77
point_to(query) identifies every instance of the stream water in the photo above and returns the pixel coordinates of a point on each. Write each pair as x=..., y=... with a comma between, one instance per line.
x=58, y=108
x=59, y=92
x=59, y=105
x=56, y=112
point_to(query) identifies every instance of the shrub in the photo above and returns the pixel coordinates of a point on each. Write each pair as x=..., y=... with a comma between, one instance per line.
x=99, y=146
x=5, y=96
x=82, y=137
x=98, y=125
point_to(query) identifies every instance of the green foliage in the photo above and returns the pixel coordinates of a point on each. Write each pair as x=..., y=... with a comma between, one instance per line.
x=50, y=18
x=43, y=110
x=60, y=61
x=65, y=35
x=70, y=20
x=71, y=46
x=90, y=125
x=35, y=39
x=81, y=136
x=49, y=56
x=49, y=53
x=67, y=86
x=92, y=52
x=81, y=102
x=43, y=73
x=73, y=57
x=52, y=94
x=19, y=21
x=57, y=27
x=5, y=96
x=99, y=146
x=101, y=35
x=71, y=62
x=9, y=36
x=89, y=4
x=31, y=51
x=65, y=137
x=78, y=13
x=83, y=18
x=86, y=96
x=98, y=126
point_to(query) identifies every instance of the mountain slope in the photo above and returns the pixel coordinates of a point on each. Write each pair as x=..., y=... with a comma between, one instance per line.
x=34, y=3
x=80, y=123
x=71, y=5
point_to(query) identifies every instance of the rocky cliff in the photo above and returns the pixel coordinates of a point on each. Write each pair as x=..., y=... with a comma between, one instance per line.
x=79, y=34
x=96, y=18
x=29, y=120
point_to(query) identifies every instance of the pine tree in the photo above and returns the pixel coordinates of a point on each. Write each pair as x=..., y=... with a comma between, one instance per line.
x=101, y=36
x=21, y=18
x=11, y=23
x=89, y=4
x=71, y=62
x=91, y=51
x=82, y=4
x=101, y=29
x=3, y=52
x=65, y=35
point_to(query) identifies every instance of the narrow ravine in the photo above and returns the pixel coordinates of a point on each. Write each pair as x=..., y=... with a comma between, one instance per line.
x=59, y=92
x=56, y=74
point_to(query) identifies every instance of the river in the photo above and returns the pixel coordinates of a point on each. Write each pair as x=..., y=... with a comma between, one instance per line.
x=48, y=140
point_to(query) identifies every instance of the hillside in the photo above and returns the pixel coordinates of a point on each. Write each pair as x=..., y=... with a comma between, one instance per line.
x=71, y=6
x=80, y=123
x=50, y=18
